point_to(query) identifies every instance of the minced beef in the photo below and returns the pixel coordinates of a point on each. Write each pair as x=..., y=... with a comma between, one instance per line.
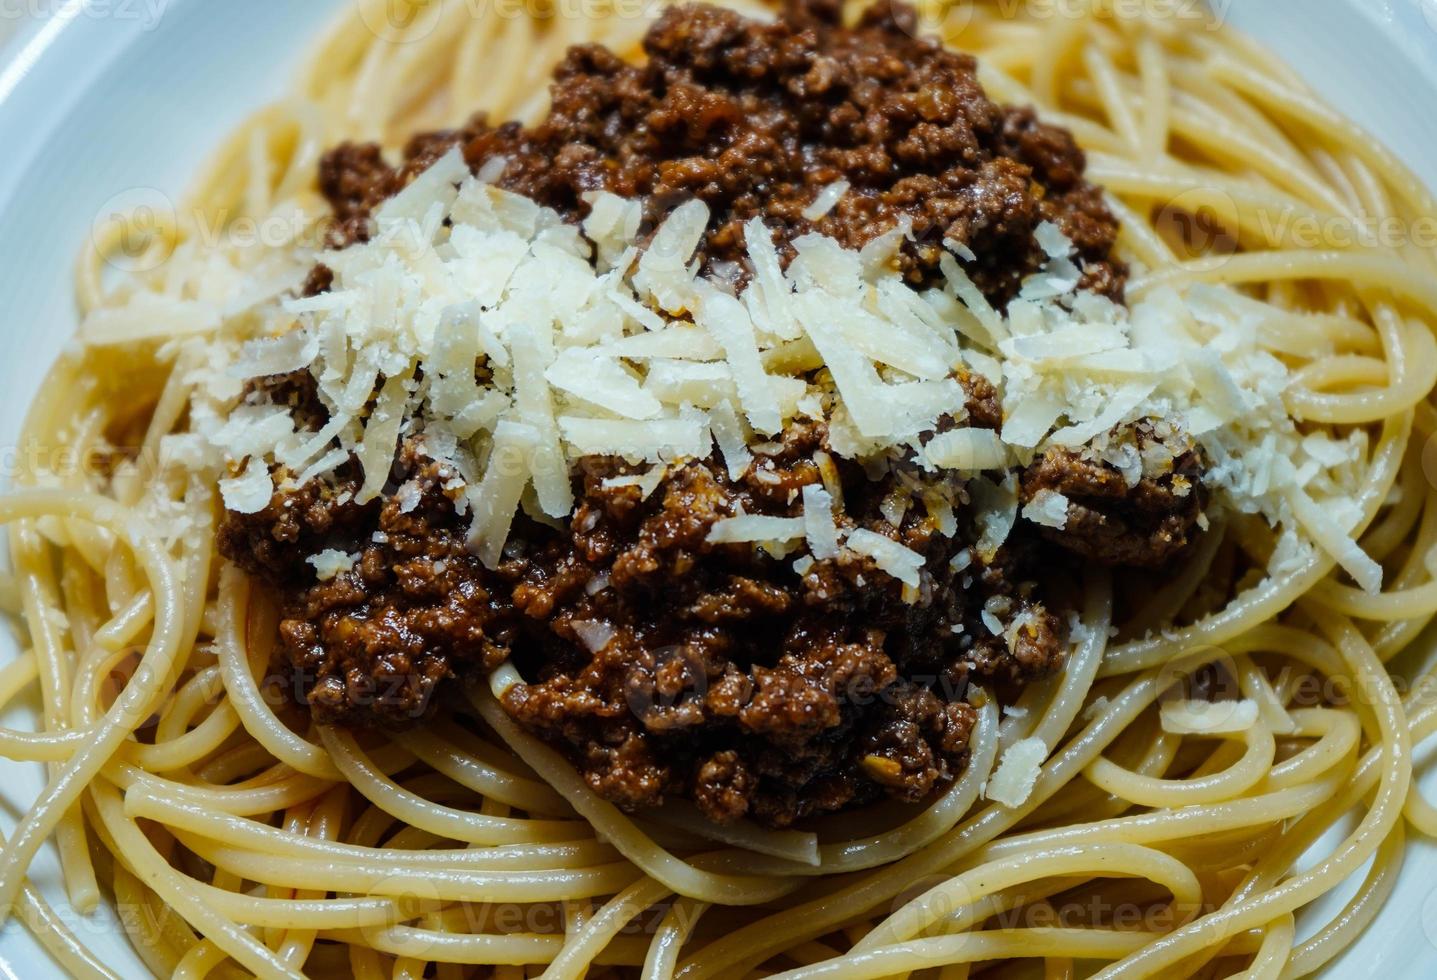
x=728, y=677
x=1140, y=521
x=371, y=645
x=660, y=664
x=755, y=119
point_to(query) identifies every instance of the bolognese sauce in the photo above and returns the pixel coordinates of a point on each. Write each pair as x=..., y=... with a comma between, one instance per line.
x=752, y=681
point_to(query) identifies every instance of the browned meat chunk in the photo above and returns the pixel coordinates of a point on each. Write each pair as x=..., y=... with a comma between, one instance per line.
x=1140, y=517
x=372, y=643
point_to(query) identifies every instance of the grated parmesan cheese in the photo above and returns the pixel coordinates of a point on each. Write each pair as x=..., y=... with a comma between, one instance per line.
x=967, y=450
x=330, y=564
x=732, y=441
x=1048, y=508
x=516, y=344
x=1052, y=241
x=652, y=441
x=818, y=523
x=827, y=199
x=1208, y=717
x=1012, y=782
x=594, y=635
x=496, y=498
x=250, y=491
x=902, y=563
x=754, y=529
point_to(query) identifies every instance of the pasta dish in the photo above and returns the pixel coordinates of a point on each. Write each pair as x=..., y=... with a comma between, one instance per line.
x=718, y=491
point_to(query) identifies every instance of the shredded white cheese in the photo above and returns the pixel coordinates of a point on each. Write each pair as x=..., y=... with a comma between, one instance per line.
x=1052, y=241
x=250, y=491
x=826, y=200
x=1012, y=782
x=330, y=563
x=898, y=561
x=818, y=522
x=1207, y=717
x=754, y=529
x=516, y=344
x=1048, y=508
x=967, y=450
x=594, y=635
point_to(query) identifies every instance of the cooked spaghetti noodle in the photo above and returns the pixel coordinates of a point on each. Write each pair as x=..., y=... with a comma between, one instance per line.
x=258, y=844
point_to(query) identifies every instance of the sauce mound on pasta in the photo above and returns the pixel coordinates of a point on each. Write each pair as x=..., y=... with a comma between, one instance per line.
x=761, y=680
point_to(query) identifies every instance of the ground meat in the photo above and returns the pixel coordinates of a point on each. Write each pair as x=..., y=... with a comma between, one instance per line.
x=354, y=179
x=730, y=677
x=755, y=119
x=726, y=677
x=299, y=522
x=415, y=610
x=660, y=664
x=320, y=280
x=1140, y=520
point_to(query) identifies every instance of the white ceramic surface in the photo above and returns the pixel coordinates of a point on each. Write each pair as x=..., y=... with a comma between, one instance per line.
x=100, y=97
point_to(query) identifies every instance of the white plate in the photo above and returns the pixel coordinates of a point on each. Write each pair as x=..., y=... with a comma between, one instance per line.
x=101, y=97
